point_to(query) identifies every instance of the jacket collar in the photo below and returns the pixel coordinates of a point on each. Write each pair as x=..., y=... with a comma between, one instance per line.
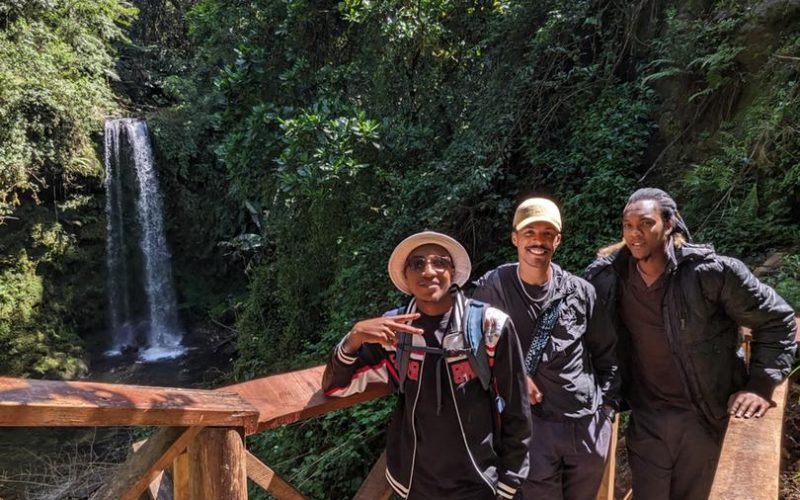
x=676, y=257
x=561, y=285
x=456, y=312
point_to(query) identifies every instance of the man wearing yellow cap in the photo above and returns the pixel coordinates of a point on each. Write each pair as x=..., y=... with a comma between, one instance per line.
x=461, y=426
x=568, y=346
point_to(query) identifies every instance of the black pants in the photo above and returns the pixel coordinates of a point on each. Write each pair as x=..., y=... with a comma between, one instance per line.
x=567, y=458
x=672, y=455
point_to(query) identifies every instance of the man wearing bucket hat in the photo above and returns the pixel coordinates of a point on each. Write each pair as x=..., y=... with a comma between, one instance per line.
x=569, y=354
x=462, y=424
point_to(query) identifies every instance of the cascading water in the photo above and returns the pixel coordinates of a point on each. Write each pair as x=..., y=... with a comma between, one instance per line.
x=138, y=260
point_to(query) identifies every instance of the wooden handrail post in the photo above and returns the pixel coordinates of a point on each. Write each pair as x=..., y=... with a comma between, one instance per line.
x=606, y=491
x=180, y=477
x=217, y=469
x=375, y=486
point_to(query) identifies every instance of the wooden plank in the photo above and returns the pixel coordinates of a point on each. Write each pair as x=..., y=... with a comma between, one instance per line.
x=269, y=480
x=606, y=491
x=134, y=476
x=47, y=403
x=749, y=464
x=154, y=488
x=289, y=397
x=217, y=469
x=375, y=486
x=180, y=477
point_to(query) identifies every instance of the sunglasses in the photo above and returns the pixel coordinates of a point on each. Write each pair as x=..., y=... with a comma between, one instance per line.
x=439, y=263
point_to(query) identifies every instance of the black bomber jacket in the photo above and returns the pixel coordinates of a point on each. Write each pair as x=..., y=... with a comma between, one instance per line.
x=499, y=458
x=578, y=371
x=707, y=297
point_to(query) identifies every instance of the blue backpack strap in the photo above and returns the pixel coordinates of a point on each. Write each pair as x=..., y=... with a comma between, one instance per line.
x=477, y=355
x=479, y=358
x=402, y=351
x=541, y=336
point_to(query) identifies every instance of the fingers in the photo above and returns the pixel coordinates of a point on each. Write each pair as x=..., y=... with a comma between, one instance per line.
x=383, y=330
x=737, y=405
x=745, y=404
x=404, y=328
x=535, y=396
x=754, y=408
x=402, y=318
x=759, y=410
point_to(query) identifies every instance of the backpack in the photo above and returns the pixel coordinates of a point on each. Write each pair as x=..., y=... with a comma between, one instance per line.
x=476, y=353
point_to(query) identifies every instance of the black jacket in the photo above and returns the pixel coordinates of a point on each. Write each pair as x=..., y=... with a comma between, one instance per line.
x=707, y=297
x=578, y=370
x=499, y=459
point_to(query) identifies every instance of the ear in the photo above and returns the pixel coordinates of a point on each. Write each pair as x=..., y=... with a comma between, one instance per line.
x=668, y=227
x=556, y=241
x=514, y=238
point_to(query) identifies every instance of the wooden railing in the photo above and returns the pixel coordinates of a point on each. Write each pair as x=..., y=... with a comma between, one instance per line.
x=201, y=439
x=749, y=464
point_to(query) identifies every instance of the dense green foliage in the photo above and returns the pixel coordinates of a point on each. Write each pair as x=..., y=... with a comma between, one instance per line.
x=298, y=142
x=321, y=133
x=55, y=62
x=56, y=59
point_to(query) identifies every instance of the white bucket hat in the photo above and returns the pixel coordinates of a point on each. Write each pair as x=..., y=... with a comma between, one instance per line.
x=397, y=261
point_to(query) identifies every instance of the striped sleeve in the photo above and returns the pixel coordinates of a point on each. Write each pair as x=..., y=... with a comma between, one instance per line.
x=350, y=373
x=342, y=355
x=505, y=491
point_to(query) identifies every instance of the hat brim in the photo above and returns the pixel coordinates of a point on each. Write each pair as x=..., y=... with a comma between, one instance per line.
x=538, y=218
x=397, y=261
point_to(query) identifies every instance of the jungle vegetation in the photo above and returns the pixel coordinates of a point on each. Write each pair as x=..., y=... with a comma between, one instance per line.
x=298, y=141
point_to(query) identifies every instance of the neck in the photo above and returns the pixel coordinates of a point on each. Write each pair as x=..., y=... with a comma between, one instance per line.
x=535, y=275
x=435, y=308
x=654, y=265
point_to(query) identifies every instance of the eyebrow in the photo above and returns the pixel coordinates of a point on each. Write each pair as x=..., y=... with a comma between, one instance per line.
x=644, y=217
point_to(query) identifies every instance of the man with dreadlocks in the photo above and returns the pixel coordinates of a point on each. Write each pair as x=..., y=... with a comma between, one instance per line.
x=677, y=308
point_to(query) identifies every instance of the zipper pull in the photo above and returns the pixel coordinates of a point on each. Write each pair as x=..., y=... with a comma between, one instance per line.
x=500, y=403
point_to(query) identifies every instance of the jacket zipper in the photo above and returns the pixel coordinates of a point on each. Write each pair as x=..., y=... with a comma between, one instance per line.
x=463, y=435
x=689, y=375
x=414, y=423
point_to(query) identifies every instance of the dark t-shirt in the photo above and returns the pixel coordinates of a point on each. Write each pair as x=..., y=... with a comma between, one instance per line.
x=443, y=470
x=656, y=381
x=538, y=296
x=522, y=302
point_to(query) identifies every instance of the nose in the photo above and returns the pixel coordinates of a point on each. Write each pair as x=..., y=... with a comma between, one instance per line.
x=632, y=232
x=537, y=240
x=428, y=269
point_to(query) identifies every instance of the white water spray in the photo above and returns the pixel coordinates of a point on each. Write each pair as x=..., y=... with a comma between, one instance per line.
x=163, y=330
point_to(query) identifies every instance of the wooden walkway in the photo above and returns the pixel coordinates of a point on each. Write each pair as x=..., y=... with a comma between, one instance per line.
x=201, y=440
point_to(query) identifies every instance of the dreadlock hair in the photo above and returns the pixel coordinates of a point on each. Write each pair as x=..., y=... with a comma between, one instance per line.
x=669, y=212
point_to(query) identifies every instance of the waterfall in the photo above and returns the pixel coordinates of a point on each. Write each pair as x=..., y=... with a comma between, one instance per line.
x=141, y=296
